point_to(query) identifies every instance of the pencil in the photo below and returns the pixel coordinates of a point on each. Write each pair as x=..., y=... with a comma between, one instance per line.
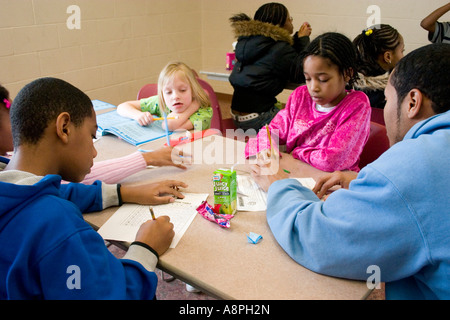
x=152, y=213
x=270, y=139
x=167, y=129
x=162, y=118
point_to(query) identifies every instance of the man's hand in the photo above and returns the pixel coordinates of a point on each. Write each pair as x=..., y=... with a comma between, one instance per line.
x=329, y=180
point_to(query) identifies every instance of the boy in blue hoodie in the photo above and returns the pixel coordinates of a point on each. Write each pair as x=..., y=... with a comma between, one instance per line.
x=48, y=250
x=394, y=218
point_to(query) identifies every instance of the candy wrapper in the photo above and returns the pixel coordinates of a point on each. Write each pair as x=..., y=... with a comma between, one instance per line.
x=208, y=213
x=254, y=238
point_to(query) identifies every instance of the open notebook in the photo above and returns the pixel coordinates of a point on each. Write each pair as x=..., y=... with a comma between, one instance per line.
x=127, y=129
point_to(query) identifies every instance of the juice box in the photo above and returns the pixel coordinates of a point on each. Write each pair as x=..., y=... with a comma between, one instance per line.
x=225, y=187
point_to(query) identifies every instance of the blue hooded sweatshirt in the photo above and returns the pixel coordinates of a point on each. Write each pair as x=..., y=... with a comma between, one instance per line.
x=48, y=251
x=394, y=218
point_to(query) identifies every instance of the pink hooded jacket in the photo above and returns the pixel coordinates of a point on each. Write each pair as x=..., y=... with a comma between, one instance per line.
x=328, y=141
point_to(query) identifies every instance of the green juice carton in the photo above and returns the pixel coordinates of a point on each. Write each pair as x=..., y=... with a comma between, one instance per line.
x=225, y=187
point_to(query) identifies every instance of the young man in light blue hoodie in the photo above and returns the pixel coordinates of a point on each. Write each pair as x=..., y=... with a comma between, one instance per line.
x=395, y=216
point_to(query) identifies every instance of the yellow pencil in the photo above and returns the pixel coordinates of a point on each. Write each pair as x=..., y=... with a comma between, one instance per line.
x=162, y=118
x=152, y=213
x=270, y=139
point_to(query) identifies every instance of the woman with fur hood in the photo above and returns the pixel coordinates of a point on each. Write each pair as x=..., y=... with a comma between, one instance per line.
x=379, y=48
x=267, y=59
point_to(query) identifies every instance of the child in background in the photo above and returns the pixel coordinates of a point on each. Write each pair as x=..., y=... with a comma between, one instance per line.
x=5, y=125
x=438, y=32
x=323, y=124
x=266, y=54
x=44, y=236
x=180, y=96
x=108, y=171
x=378, y=49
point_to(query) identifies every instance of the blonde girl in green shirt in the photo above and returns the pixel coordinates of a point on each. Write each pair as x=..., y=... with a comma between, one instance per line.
x=180, y=96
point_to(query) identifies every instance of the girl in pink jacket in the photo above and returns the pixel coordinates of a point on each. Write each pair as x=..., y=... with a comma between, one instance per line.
x=323, y=124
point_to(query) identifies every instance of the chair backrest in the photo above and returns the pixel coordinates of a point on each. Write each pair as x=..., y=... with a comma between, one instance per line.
x=216, y=121
x=377, y=116
x=376, y=145
x=148, y=90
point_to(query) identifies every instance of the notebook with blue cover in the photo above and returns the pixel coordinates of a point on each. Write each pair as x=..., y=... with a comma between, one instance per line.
x=127, y=129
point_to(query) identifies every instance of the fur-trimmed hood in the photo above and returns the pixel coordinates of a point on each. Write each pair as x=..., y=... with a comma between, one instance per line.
x=372, y=83
x=244, y=26
x=266, y=57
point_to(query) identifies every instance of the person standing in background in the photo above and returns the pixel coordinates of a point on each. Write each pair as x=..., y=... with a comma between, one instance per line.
x=266, y=56
x=438, y=32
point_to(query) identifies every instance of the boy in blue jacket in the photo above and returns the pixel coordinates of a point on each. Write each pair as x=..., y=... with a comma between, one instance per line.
x=395, y=216
x=48, y=250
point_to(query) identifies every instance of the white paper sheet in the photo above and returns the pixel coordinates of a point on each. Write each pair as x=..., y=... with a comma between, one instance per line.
x=307, y=182
x=251, y=197
x=125, y=222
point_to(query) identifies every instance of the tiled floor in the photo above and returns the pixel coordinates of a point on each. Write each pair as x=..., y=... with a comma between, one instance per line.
x=176, y=289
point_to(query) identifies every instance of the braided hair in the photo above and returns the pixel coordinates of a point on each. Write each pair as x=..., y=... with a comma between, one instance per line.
x=274, y=13
x=373, y=42
x=4, y=94
x=339, y=50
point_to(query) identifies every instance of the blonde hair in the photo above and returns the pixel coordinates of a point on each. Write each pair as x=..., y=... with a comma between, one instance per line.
x=169, y=72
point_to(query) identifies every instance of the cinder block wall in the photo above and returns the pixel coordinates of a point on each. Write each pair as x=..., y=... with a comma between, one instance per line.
x=349, y=17
x=123, y=44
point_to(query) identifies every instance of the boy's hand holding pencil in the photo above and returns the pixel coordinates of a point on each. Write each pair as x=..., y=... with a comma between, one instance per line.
x=157, y=233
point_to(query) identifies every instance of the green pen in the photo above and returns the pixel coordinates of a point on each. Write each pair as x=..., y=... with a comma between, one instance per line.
x=287, y=171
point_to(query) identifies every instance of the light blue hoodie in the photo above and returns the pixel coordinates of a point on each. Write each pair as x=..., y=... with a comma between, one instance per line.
x=395, y=215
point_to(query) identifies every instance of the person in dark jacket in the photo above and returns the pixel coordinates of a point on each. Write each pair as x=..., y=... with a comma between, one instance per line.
x=267, y=57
